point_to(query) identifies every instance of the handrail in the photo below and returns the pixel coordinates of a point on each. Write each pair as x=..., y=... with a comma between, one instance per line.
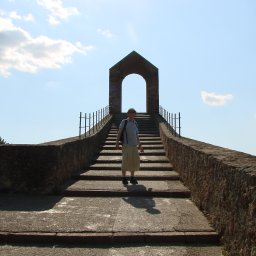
x=171, y=121
x=92, y=121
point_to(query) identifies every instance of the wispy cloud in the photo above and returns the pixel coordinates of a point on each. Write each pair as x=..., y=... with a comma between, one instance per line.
x=14, y=15
x=213, y=99
x=57, y=11
x=20, y=51
x=105, y=32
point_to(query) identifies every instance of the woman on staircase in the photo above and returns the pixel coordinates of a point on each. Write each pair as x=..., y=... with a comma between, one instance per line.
x=129, y=132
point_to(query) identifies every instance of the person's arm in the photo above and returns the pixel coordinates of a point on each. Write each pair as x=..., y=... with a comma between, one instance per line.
x=139, y=144
x=121, y=127
x=118, y=138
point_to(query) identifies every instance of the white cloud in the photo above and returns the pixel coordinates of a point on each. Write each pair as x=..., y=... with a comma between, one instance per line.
x=28, y=17
x=15, y=16
x=20, y=51
x=57, y=11
x=105, y=32
x=213, y=99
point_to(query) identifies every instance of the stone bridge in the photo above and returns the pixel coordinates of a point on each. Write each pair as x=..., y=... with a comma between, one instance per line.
x=193, y=198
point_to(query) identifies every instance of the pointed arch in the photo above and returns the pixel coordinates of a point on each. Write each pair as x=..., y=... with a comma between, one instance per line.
x=133, y=63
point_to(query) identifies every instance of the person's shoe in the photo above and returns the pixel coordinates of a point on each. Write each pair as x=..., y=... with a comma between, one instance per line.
x=125, y=181
x=133, y=181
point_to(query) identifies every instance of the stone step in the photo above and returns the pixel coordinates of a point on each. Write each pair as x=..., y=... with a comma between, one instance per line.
x=114, y=152
x=147, y=124
x=55, y=219
x=144, y=123
x=149, y=138
x=139, y=120
x=114, y=238
x=143, y=166
x=149, y=130
x=143, y=159
x=112, y=188
x=116, y=175
x=146, y=147
x=92, y=249
x=141, y=135
x=143, y=142
x=170, y=193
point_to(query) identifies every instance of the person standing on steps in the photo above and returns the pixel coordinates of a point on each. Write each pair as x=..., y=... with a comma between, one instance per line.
x=130, y=146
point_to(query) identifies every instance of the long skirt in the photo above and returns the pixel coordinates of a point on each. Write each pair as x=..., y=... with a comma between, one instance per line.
x=130, y=159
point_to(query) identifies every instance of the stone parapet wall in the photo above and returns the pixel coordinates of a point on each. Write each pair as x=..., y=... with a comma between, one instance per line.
x=223, y=186
x=44, y=168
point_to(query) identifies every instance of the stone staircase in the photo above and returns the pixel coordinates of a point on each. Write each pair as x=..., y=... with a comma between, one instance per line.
x=97, y=215
x=157, y=177
x=158, y=209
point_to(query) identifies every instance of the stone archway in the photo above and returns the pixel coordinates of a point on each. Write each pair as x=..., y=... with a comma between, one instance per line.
x=133, y=63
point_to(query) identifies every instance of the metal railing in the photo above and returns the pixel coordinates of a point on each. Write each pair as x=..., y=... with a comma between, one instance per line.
x=92, y=122
x=172, y=121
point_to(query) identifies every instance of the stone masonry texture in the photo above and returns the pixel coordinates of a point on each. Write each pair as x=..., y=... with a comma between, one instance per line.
x=43, y=168
x=222, y=184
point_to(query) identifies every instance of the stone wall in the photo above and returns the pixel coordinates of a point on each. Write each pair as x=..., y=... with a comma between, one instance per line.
x=44, y=168
x=222, y=183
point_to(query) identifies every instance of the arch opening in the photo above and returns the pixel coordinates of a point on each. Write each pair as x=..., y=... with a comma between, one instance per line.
x=134, y=93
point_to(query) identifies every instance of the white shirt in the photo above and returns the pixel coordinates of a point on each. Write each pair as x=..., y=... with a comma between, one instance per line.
x=131, y=131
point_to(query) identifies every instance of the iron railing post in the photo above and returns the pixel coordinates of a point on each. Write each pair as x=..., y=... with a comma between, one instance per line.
x=175, y=123
x=95, y=120
x=101, y=117
x=80, y=119
x=179, y=125
x=89, y=123
x=171, y=121
x=85, y=124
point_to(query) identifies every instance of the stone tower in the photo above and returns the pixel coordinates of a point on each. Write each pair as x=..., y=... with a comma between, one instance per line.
x=133, y=63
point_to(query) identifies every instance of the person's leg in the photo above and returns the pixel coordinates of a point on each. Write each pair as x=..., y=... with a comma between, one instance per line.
x=124, y=179
x=135, y=165
x=133, y=180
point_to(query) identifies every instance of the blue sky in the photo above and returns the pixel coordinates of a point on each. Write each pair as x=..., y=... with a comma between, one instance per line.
x=55, y=59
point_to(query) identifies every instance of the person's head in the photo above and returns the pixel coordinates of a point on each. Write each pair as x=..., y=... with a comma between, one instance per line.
x=131, y=112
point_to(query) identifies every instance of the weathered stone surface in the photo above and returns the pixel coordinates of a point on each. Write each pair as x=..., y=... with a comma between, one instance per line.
x=222, y=183
x=121, y=250
x=52, y=214
x=116, y=174
x=43, y=168
x=157, y=210
x=144, y=185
